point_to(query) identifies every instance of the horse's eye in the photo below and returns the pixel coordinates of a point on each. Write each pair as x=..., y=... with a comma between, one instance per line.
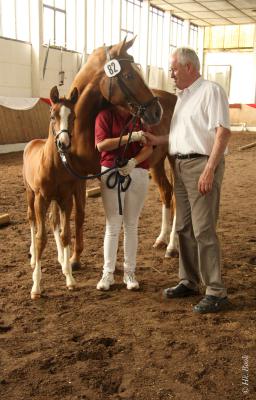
x=128, y=75
x=52, y=117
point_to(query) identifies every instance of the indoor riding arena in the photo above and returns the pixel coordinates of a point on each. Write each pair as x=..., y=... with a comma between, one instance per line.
x=61, y=338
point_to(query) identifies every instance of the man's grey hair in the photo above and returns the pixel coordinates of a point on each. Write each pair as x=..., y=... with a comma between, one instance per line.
x=185, y=55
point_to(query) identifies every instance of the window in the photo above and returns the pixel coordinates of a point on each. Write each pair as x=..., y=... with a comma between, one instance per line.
x=156, y=25
x=193, y=36
x=55, y=22
x=102, y=21
x=176, y=33
x=14, y=19
x=130, y=23
x=61, y=23
x=229, y=37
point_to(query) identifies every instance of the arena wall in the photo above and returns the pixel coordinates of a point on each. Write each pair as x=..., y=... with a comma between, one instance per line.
x=20, y=126
x=243, y=114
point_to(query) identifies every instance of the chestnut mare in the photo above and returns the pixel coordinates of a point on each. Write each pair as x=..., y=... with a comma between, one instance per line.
x=128, y=89
x=46, y=178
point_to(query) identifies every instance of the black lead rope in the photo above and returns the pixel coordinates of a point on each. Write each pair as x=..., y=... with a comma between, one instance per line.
x=122, y=182
x=66, y=164
x=120, y=162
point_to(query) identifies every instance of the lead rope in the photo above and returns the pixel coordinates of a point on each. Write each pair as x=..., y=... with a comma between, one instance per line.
x=122, y=182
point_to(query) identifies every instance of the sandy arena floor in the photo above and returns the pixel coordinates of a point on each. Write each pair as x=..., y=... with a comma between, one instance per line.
x=128, y=345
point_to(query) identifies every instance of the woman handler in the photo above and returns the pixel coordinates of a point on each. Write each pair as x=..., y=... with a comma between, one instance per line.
x=108, y=127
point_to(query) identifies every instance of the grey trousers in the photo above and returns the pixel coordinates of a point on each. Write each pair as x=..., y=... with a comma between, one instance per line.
x=197, y=216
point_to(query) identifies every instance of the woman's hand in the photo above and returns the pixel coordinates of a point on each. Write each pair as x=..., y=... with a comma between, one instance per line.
x=127, y=169
x=138, y=137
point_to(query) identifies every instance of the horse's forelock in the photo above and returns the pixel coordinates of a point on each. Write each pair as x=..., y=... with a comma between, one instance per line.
x=63, y=101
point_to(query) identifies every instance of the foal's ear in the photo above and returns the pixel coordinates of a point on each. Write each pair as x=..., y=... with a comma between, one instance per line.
x=54, y=95
x=74, y=96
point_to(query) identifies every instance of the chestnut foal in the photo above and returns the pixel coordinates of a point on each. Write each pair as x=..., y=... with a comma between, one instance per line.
x=47, y=180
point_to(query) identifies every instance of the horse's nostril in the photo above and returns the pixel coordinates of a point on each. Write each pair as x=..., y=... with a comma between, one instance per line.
x=158, y=113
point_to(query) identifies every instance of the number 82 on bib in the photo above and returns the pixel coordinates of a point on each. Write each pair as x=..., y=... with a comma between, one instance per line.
x=112, y=68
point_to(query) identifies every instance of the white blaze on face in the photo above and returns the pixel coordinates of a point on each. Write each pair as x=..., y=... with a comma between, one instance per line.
x=64, y=114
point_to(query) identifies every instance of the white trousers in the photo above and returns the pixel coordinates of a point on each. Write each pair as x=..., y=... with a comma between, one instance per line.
x=132, y=203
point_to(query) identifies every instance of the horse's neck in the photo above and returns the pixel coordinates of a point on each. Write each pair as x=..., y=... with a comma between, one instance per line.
x=90, y=97
x=88, y=106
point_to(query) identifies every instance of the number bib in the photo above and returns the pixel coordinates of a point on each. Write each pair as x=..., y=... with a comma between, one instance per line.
x=112, y=68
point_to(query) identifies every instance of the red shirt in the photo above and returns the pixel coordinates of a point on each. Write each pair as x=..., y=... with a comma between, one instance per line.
x=109, y=124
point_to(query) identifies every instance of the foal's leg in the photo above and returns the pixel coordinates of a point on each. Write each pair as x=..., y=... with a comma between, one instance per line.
x=32, y=223
x=55, y=223
x=40, y=206
x=79, y=199
x=65, y=213
x=166, y=191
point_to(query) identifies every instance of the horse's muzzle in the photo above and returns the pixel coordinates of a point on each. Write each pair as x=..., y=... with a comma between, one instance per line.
x=63, y=141
x=153, y=113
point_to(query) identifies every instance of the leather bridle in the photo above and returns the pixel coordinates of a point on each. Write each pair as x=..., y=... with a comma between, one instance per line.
x=137, y=108
x=56, y=136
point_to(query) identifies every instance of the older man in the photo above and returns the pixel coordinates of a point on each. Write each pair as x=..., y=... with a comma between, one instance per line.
x=198, y=138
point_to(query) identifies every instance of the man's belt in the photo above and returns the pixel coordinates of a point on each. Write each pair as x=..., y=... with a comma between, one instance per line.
x=188, y=156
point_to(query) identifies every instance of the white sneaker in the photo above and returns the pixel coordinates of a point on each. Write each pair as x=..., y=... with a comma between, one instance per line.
x=106, y=281
x=131, y=281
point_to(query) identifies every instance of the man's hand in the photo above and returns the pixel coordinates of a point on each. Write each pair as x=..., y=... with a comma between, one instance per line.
x=205, y=181
x=153, y=140
x=127, y=169
x=138, y=137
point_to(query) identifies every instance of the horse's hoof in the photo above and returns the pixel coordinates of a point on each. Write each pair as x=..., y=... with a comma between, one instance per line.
x=71, y=287
x=35, y=296
x=171, y=253
x=76, y=266
x=159, y=244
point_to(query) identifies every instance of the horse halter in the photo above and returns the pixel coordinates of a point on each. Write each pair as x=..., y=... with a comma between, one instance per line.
x=116, y=69
x=56, y=137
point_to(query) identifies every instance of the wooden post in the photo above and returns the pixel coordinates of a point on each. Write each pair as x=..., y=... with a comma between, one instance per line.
x=4, y=219
x=248, y=146
x=94, y=192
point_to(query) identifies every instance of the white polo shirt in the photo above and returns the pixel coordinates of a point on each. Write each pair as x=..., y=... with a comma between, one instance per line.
x=200, y=108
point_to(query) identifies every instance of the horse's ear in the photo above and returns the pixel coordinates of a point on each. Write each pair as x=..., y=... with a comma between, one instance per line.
x=130, y=43
x=54, y=95
x=74, y=96
x=126, y=45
